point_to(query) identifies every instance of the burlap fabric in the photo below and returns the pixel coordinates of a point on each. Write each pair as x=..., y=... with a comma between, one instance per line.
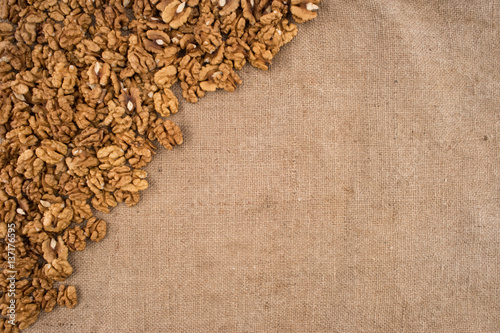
x=354, y=187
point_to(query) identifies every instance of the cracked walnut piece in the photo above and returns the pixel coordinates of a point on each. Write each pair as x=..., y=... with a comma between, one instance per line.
x=85, y=90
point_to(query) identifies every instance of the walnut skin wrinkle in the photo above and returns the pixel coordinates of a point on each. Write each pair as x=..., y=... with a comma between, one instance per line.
x=84, y=93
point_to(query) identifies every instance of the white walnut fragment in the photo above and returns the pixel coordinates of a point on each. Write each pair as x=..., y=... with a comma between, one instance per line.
x=84, y=93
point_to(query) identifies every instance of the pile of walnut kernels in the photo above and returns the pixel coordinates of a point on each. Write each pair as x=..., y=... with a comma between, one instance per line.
x=84, y=89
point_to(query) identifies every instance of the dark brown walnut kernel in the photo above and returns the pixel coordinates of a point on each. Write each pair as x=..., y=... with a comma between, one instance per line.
x=85, y=87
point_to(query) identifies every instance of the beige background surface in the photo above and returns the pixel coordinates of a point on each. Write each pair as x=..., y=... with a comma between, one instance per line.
x=352, y=188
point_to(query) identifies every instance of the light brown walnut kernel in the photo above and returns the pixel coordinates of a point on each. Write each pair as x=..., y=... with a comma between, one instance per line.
x=26, y=313
x=130, y=198
x=126, y=179
x=103, y=200
x=64, y=77
x=99, y=73
x=188, y=74
x=110, y=156
x=29, y=165
x=165, y=102
x=236, y=50
x=259, y=56
x=54, y=249
x=22, y=136
x=114, y=59
x=168, y=134
x=90, y=136
x=67, y=296
x=34, y=231
x=136, y=104
x=120, y=176
x=79, y=205
x=40, y=279
x=222, y=77
x=227, y=6
x=140, y=152
x=233, y=25
x=168, y=56
x=46, y=299
x=81, y=161
x=166, y=76
x=304, y=10
x=6, y=31
x=95, y=229
x=8, y=209
x=95, y=180
x=51, y=152
x=75, y=239
x=175, y=12
x=140, y=60
x=57, y=217
x=58, y=269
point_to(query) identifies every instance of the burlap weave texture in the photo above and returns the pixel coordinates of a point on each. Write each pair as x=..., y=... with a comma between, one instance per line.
x=354, y=187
